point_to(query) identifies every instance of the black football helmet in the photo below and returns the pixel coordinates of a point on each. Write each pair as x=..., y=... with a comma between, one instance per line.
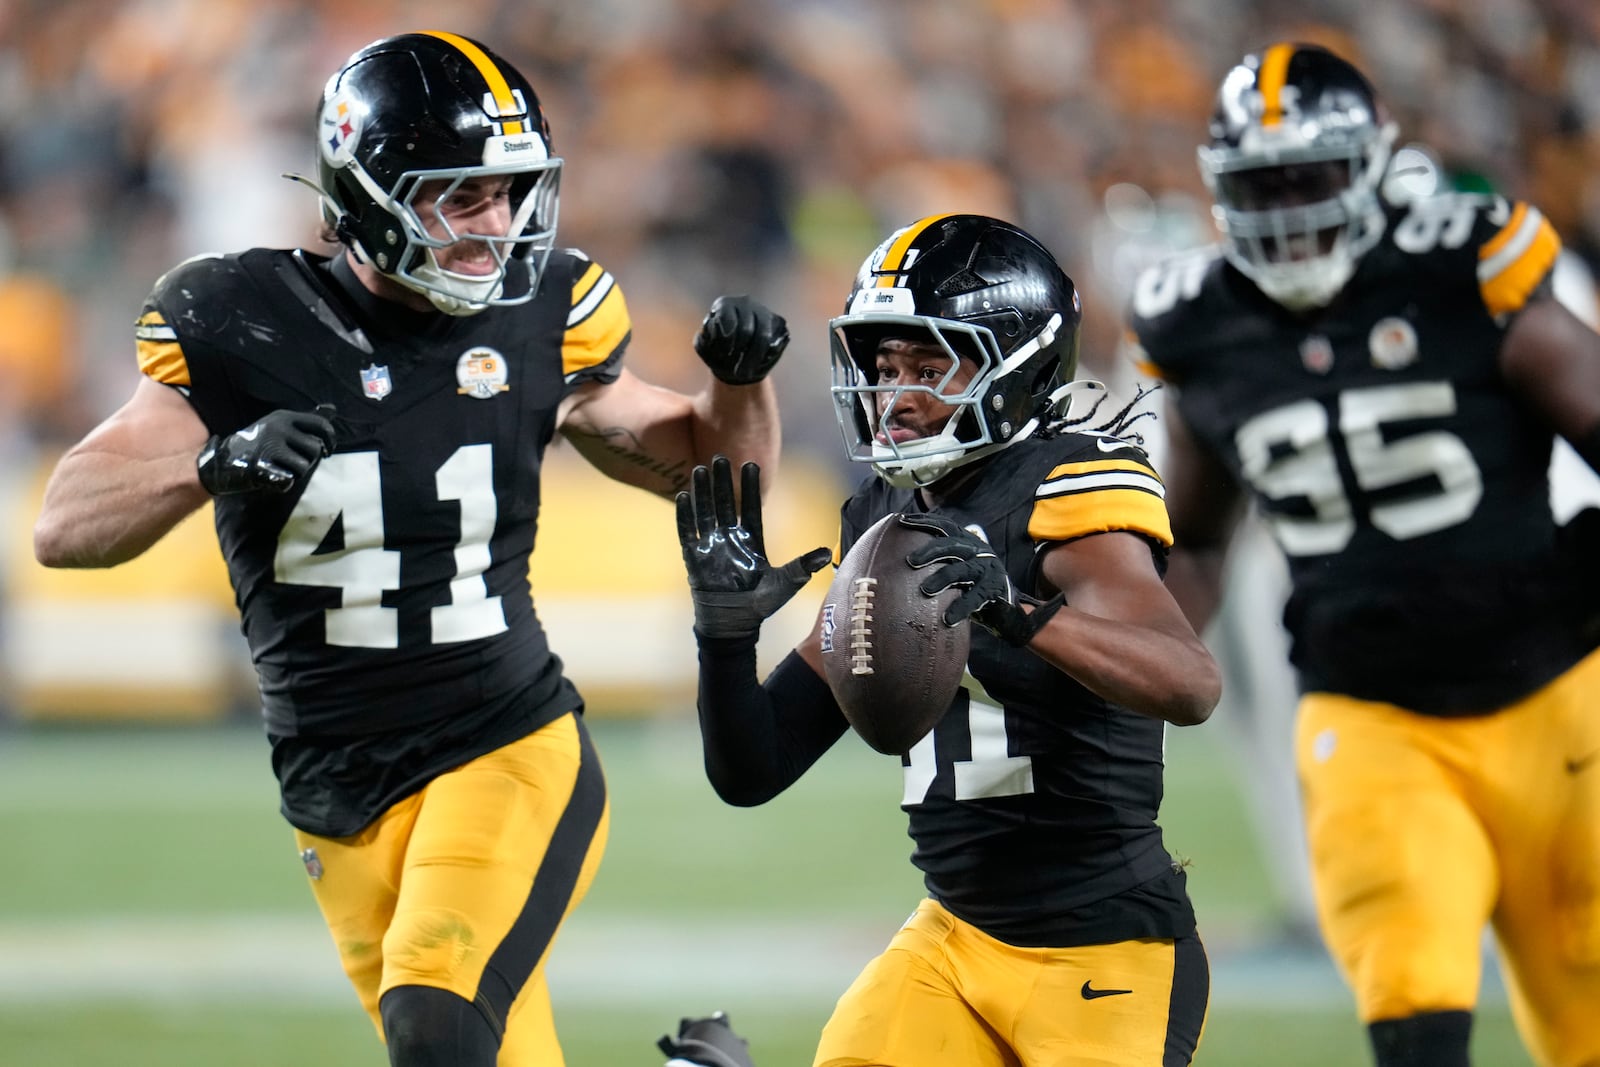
x=433, y=106
x=1299, y=146
x=983, y=290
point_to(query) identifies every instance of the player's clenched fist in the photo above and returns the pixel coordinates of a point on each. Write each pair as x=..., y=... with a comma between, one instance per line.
x=741, y=339
x=276, y=452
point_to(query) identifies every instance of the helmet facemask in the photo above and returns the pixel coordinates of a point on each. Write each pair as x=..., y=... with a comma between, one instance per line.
x=979, y=422
x=414, y=262
x=1296, y=182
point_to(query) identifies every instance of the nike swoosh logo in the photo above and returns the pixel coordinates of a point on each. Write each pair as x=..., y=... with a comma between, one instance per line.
x=1109, y=444
x=1090, y=993
x=1576, y=765
x=250, y=434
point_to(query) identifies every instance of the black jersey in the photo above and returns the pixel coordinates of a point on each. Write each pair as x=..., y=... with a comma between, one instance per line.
x=388, y=599
x=1033, y=802
x=1400, y=476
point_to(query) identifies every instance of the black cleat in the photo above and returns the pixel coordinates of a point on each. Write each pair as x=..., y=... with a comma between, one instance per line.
x=708, y=1042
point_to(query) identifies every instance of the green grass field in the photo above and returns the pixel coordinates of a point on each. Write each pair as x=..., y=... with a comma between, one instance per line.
x=153, y=911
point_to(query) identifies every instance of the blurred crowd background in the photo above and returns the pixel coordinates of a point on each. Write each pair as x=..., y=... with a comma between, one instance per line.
x=711, y=146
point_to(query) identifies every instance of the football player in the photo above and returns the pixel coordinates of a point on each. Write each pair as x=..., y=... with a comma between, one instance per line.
x=370, y=428
x=1385, y=383
x=1057, y=927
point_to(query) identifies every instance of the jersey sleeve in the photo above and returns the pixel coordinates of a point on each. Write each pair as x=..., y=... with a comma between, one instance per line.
x=159, y=349
x=1163, y=310
x=160, y=355
x=598, y=327
x=1519, y=252
x=1110, y=487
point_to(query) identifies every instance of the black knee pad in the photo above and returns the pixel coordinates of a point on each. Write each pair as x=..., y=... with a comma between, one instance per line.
x=427, y=1027
x=1435, y=1039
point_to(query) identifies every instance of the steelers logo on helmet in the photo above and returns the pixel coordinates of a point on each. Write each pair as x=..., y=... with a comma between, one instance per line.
x=1006, y=319
x=340, y=125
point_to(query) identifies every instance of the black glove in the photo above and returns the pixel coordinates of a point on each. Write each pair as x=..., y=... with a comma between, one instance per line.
x=733, y=586
x=989, y=599
x=741, y=339
x=276, y=452
x=708, y=1042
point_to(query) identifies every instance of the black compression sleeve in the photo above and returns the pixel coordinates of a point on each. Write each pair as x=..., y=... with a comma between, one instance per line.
x=759, y=738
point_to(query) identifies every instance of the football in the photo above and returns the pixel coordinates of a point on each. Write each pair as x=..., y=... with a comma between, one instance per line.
x=892, y=663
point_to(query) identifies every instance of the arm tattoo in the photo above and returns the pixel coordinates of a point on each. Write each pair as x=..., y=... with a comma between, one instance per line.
x=622, y=443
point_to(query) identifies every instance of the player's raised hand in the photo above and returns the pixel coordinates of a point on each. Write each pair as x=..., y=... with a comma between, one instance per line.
x=733, y=585
x=741, y=339
x=276, y=452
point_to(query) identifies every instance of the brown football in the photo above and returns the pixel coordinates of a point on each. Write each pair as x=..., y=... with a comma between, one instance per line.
x=892, y=663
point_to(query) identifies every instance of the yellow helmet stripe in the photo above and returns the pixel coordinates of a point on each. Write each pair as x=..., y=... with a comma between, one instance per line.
x=505, y=103
x=894, y=257
x=1274, y=73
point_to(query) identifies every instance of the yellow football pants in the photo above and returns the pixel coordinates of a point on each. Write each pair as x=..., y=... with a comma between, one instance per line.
x=944, y=992
x=463, y=885
x=1423, y=829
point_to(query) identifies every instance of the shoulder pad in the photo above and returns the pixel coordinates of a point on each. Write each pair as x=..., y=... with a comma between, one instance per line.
x=1509, y=245
x=197, y=290
x=1164, y=299
x=1163, y=286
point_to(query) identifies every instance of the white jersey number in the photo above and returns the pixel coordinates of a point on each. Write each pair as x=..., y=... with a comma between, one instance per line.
x=1288, y=453
x=345, y=488
x=991, y=772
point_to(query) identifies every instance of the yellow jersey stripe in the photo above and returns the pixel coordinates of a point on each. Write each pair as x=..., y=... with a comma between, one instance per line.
x=1092, y=511
x=164, y=362
x=504, y=101
x=1098, y=495
x=1496, y=244
x=1274, y=73
x=894, y=257
x=1139, y=357
x=1149, y=369
x=596, y=328
x=1513, y=263
x=151, y=326
x=585, y=282
x=1102, y=473
x=596, y=296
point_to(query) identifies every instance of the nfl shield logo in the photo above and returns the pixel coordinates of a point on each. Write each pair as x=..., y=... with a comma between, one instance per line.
x=1316, y=354
x=313, y=862
x=375, y=382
